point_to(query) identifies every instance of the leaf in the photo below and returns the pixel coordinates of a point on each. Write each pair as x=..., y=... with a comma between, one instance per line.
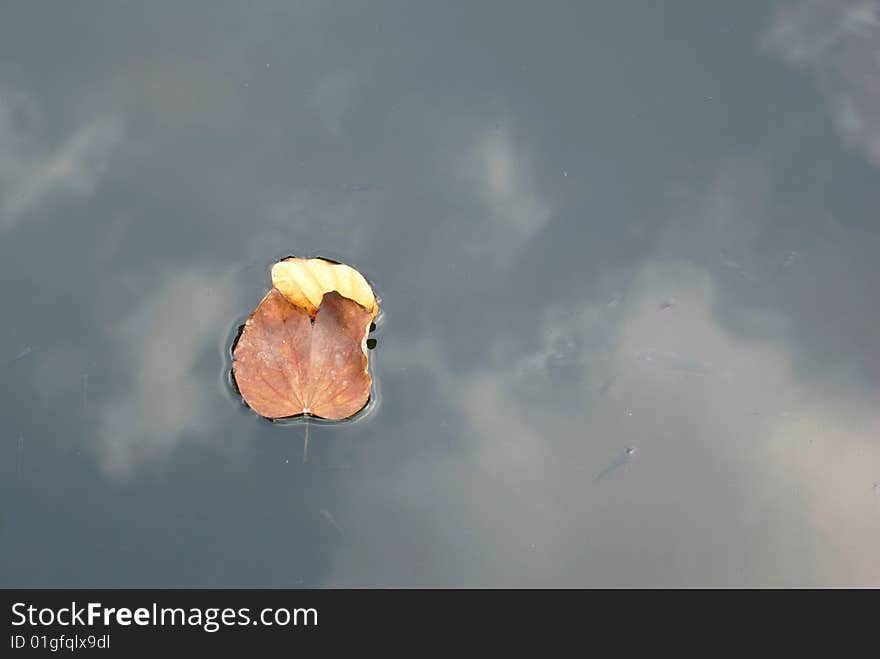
x=285, y=364
x=303, y=351
x=304, y=282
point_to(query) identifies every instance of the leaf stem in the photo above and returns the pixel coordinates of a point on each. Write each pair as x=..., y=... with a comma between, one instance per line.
x=306, y=442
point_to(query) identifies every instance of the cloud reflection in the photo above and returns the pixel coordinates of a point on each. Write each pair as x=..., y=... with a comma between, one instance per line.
x=503, y=179
x=33, y=172
x=744, y=465
x=159, y=344
x=839, y=40
x=332, y=99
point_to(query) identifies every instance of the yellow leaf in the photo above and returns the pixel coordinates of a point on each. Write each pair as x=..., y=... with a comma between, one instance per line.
x=303, y=283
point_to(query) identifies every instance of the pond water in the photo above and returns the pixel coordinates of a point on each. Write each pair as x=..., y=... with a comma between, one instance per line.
x=627, y=256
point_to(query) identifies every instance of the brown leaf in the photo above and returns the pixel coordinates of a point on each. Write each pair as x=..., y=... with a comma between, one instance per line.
x=285, y=364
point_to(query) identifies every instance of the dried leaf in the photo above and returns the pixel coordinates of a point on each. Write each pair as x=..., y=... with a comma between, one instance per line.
x=304, y=282
x=285, y=364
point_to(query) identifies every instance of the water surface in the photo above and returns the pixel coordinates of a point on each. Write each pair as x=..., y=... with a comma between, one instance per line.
x=592, y=225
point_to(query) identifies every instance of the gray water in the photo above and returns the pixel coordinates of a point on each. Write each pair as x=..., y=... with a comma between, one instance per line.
x=541, y=193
